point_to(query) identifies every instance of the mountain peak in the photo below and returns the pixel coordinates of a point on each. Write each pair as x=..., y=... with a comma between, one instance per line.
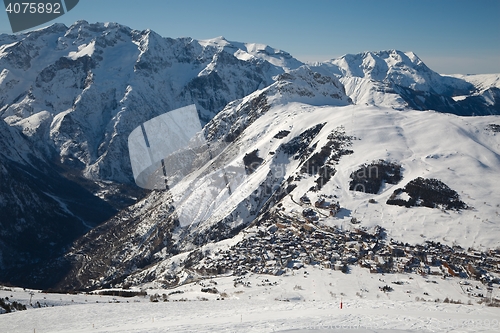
x=83, y=27
x=308, y=86
x=53, y=28
x=254, y=52
x=219, y=41
x=395, y=68
x=79, y=24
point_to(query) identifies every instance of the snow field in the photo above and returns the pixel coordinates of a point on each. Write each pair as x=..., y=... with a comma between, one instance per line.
x=456, y=150
x=299, y=301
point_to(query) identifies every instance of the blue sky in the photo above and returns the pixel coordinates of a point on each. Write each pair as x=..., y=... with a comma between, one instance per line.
x=450, y=36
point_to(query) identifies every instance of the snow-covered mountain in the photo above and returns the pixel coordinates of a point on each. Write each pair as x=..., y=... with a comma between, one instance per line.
x=308, y=148
x=69, y=98
x=79, y=91
x=401, y=80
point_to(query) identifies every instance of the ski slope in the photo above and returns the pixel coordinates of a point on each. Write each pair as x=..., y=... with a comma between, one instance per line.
x=307, y=301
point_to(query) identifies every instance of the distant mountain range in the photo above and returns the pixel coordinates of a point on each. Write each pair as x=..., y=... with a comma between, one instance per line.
x=72, y=217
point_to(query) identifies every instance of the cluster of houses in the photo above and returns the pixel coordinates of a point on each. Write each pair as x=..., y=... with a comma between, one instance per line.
x=280, y=244
x=311, y=215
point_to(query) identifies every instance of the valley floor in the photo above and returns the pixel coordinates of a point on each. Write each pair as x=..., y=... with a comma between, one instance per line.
x=301, y=300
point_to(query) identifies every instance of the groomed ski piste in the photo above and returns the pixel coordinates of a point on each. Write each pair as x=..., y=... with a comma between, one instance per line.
x=304, y=300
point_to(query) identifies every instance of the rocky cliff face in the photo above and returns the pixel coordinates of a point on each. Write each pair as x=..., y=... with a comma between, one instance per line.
x=79, y=91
